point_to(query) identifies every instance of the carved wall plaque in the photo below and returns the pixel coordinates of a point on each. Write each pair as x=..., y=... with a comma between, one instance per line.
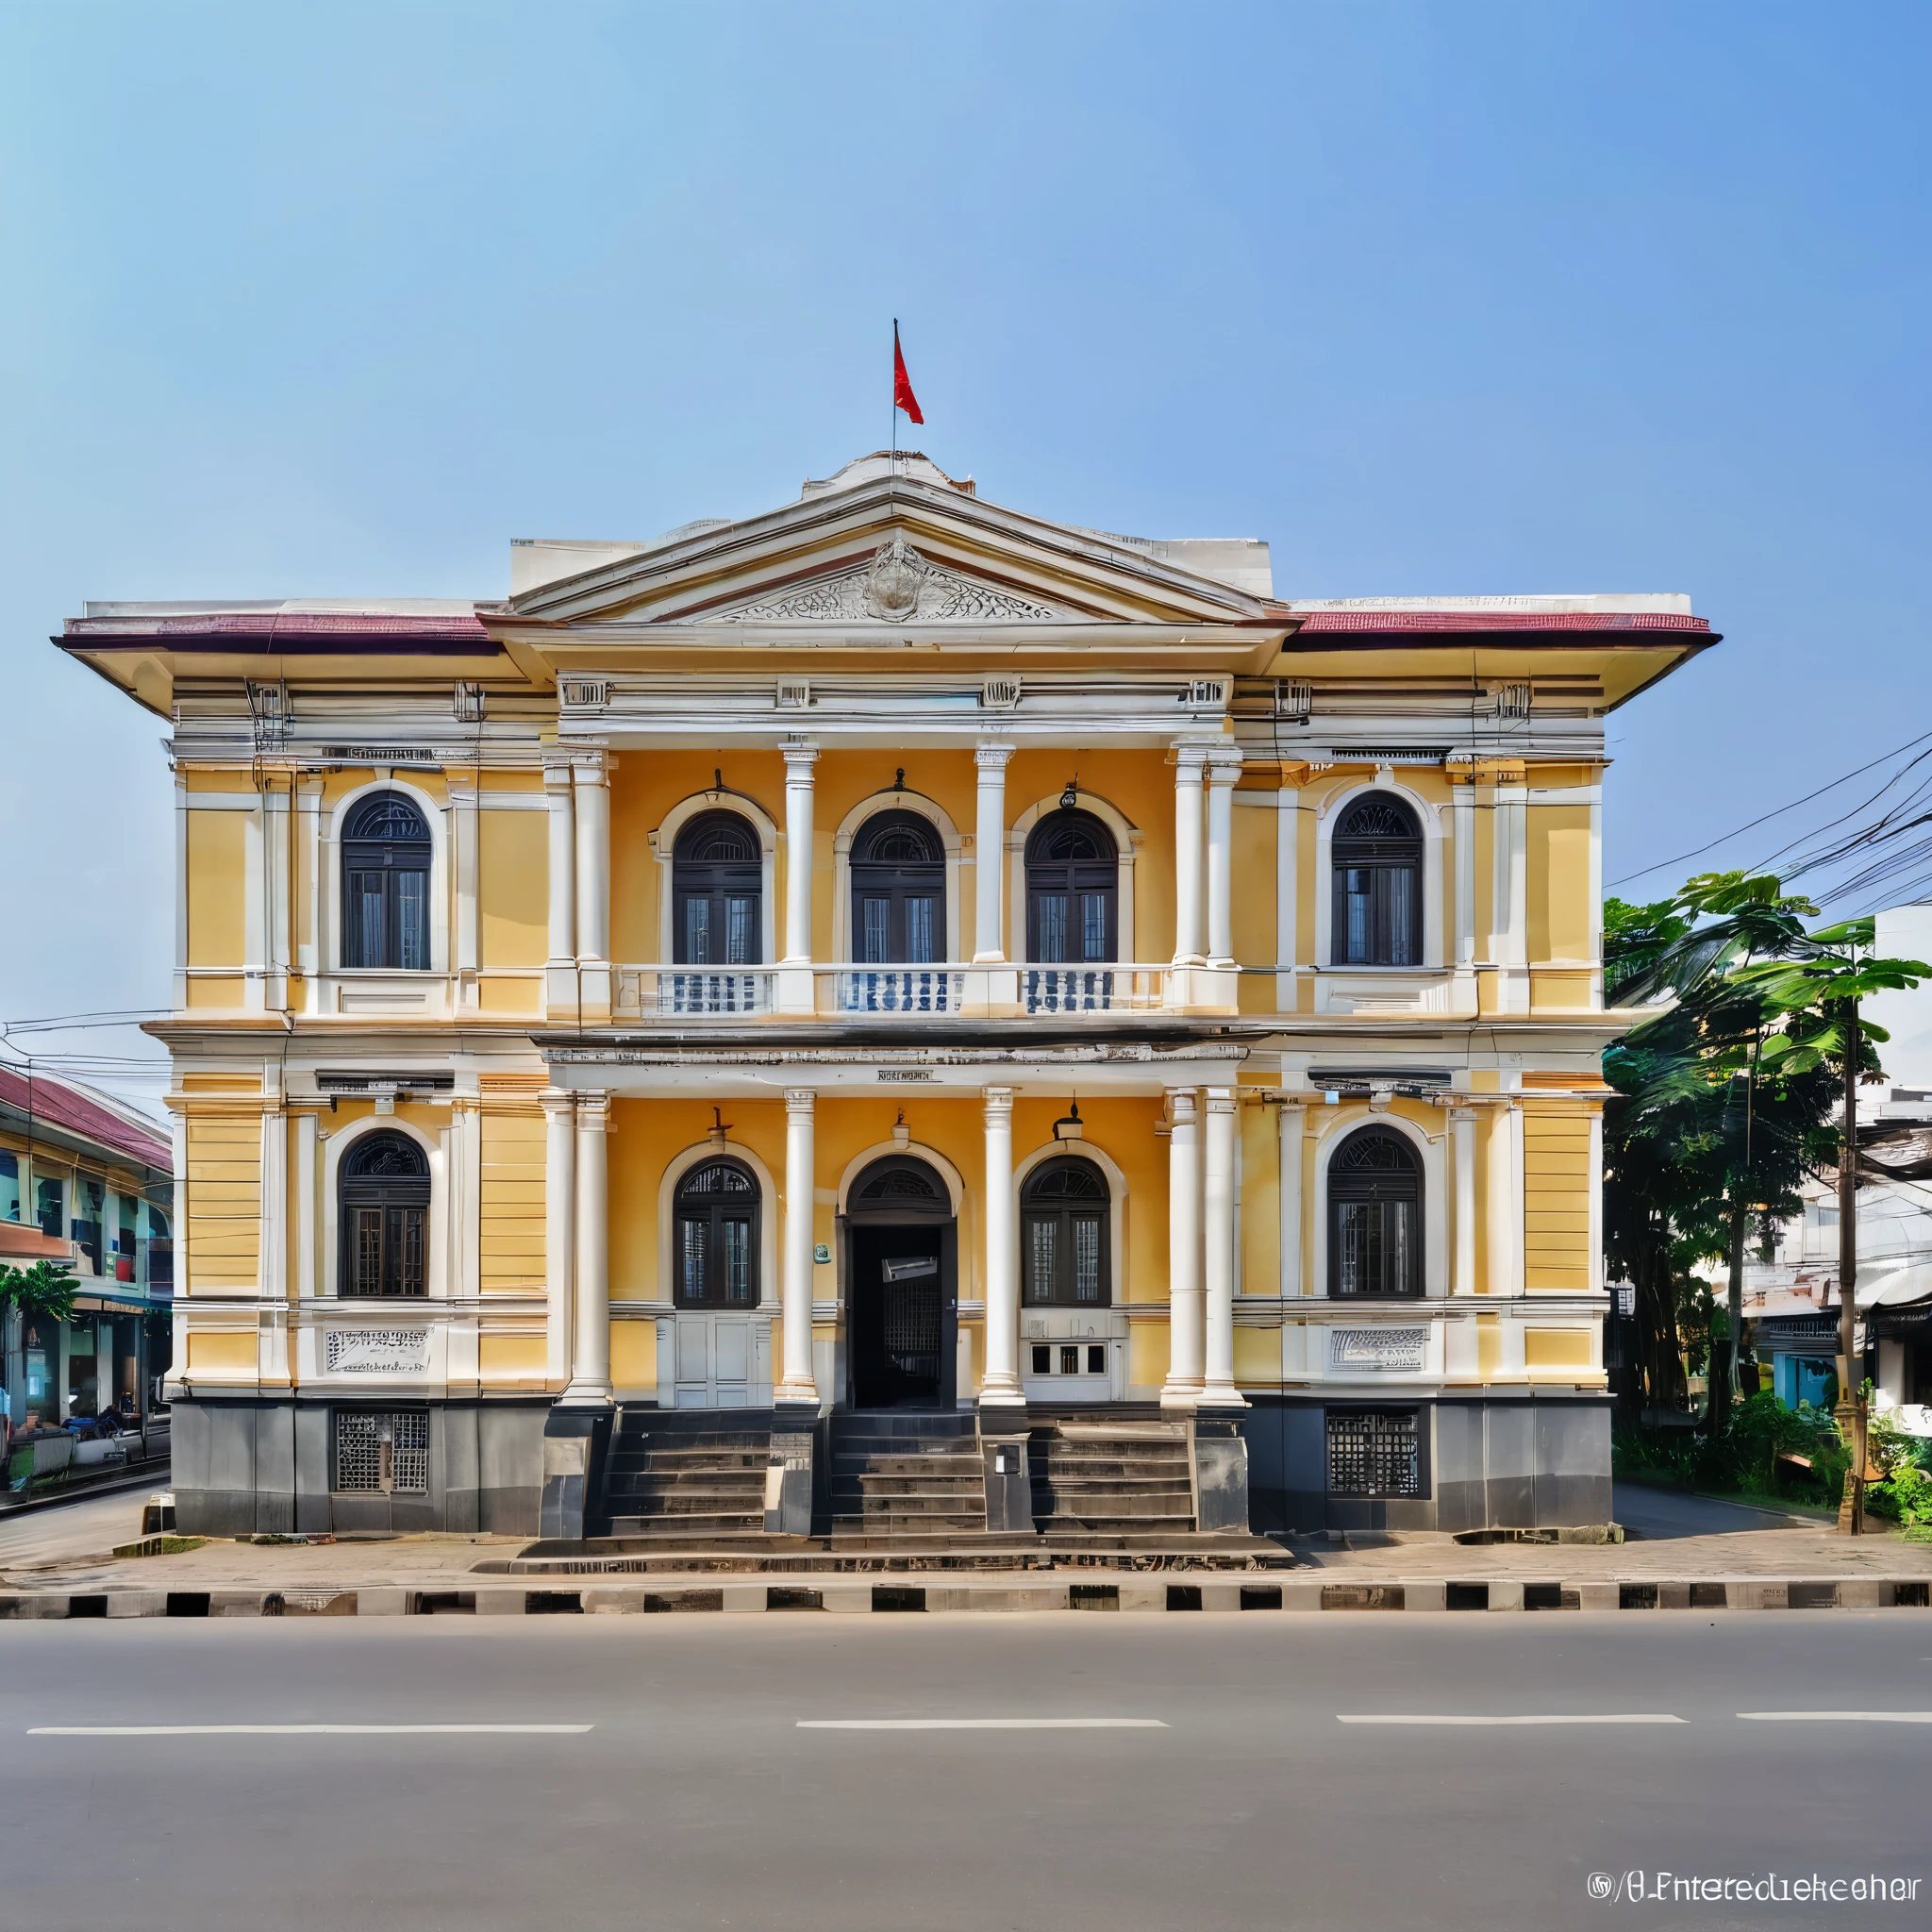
x=375, y=1351
x=1381, y=1350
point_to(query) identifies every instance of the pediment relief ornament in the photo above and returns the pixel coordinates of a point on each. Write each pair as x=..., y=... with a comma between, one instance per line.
x=898, y=586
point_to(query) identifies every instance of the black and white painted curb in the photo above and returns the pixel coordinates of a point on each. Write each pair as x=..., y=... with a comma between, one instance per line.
x=1723, y=1594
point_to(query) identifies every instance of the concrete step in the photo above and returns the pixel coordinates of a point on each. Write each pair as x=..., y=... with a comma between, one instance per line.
x=746, y=1475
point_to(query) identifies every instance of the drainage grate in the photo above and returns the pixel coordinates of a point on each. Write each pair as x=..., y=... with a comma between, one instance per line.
x=659, y=1601
x=552, y=1602
x=1260, y=1596
x=898, y=1596
x=1184, y=1596
x=1550, y=1596
x=1708, y=1596
x=1093, y=1596
x=1467, y=1596
x=187, y=1603
x=87, y=1606
x=1909, y=1596
x=1636, y=1596
x=1811, y=1596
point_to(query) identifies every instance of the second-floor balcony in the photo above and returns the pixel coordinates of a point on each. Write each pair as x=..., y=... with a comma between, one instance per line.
x=910, y=991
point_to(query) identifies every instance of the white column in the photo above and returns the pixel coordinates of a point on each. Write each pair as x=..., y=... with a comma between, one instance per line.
x=1462, y=828
x=999, y=1387
x=1186, y=1341
x=799, y=760
x=589, y=1374
x=560, y=1225
x=307, y=1218
x=795, y=1383
x=1287, y=852
x=1218, y=1354
x=1503, y=1227
x=310, y=955
x=1509, y=942
x=1463, y=1144
x=1223, y=768
x=988, y=853
x=796, y=991
x=462, y=840
x=1187, y=774
x=180, y=992
x=591, y=781
x=277, y=889
x=275, y=1205
x=1292, y=1128
x=560, y=975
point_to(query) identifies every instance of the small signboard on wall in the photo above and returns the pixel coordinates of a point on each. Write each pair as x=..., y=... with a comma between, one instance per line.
x=376, y=1351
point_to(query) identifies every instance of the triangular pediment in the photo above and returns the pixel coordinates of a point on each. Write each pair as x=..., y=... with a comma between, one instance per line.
x=893, y=550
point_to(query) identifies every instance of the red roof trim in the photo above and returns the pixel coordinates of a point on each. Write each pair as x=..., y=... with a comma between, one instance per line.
x=60, y=1106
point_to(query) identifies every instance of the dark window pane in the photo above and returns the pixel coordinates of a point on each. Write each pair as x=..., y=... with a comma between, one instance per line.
x=1041, y=1259
x=738, y=1261
x=1051, y=912
x=412, y=922
x=876, y=938
x=694, y=1237
x=922, y=926
x=741, y=931
x=697, y=932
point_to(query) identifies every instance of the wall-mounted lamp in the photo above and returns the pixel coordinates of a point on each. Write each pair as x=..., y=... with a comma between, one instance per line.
x=899, y=779
x=1069, y=1120
x=1071, y=796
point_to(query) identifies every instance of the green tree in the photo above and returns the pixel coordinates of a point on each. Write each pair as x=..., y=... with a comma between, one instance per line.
x=44, y=1290
x=1724, y=1099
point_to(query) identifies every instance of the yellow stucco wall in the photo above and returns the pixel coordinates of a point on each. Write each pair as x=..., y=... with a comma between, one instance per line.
x=223, y=1204
x=1559, y=909
x=224, y=1351
x=1555, y=1184
x=511, y=1358
x=634, y=1353
x=217, y=866
x=513, y=889
x=510, y=1236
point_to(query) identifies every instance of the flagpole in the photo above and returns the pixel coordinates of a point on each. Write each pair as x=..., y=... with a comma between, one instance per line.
x=894, y=459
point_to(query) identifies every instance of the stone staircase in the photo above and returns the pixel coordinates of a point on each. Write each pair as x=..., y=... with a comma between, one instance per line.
x=684, y=1476
x=1128, y=1478
x=903, y=1476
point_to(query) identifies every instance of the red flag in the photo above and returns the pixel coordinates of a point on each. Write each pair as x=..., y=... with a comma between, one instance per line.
x=903, y=398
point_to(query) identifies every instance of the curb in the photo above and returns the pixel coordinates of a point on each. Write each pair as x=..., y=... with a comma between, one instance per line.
x=1304, y=1594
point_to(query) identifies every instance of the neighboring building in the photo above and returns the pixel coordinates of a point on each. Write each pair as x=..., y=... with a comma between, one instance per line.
x=87, y=1182
x=1792, y=1300
x=889, y=954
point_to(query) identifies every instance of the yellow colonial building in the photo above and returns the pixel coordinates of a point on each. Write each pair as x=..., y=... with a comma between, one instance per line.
x=892, y=977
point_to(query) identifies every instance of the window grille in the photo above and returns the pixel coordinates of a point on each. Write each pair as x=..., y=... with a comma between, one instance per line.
x=382, y=1452
x=1375, y=1452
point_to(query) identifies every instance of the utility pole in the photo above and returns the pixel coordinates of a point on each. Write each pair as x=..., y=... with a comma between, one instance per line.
x=1851, y=1406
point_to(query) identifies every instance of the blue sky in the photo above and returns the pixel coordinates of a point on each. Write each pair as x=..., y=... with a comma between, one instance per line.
x=335, y=300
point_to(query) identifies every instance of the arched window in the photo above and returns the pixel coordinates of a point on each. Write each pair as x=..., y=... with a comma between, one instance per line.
x=718, y=1237
x=384, y=1223
x=1375, y=1216
x=386, y=885
x=1072, y=890
x=1063, y=1244
x=1377, y=857
x=898, y=891
x=716, y=878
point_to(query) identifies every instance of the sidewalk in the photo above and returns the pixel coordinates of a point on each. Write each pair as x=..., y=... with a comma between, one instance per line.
x=1706, y=1554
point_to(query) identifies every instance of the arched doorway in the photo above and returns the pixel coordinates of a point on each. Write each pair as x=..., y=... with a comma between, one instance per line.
x=902, y=1293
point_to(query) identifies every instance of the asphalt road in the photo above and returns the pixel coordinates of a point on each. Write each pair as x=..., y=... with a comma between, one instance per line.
x=84, y=1525
x=694, y=1798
